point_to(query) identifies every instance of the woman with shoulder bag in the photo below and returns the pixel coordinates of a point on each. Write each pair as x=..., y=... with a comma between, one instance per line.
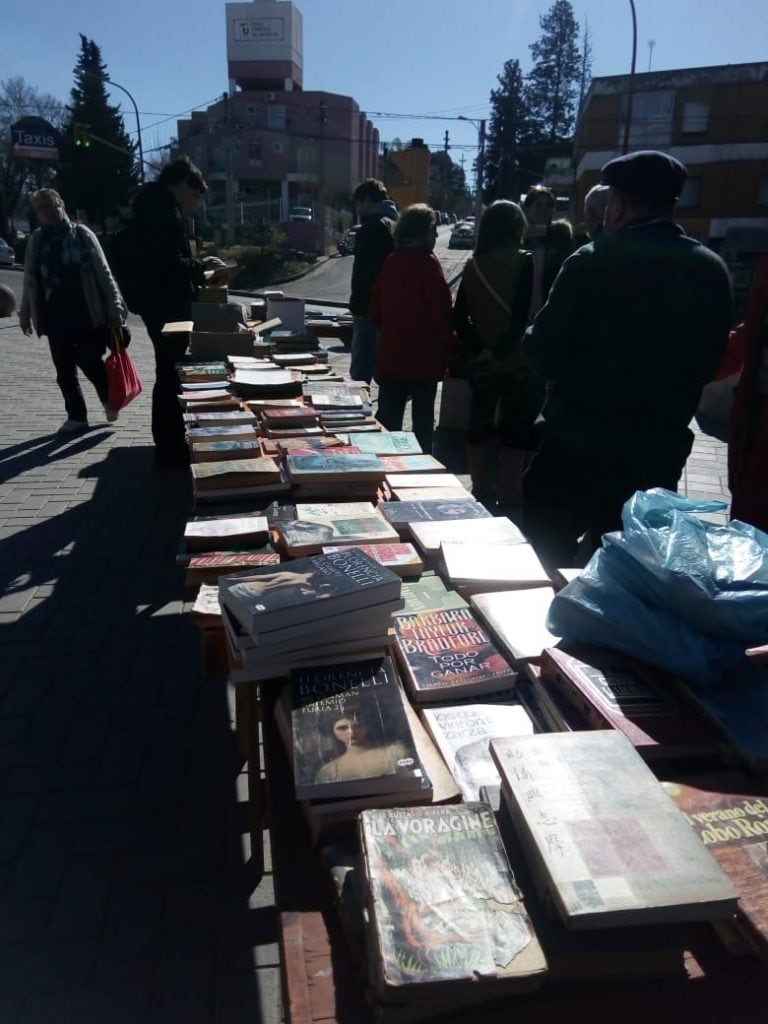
x=490, y=316
x=70, y=295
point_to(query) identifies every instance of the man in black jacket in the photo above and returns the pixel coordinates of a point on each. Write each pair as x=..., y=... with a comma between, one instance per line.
x=636, y=323
x=373, y=243
x=170, y=280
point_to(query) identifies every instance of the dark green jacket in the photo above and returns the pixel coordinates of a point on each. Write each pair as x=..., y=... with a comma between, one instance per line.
x=635, y=325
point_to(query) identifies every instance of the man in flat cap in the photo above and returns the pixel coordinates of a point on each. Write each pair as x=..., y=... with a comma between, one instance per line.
x=636, y=323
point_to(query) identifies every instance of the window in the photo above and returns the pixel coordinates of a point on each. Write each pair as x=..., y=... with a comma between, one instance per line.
x=254, y=150
x=651, y=119
x=689, y=197
x=277, y=147
x=250, y=109
x=276, y=116
x=695, y=116
x=762, y=191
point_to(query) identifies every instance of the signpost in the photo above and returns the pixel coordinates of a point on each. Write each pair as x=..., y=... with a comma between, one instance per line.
x=33, y=138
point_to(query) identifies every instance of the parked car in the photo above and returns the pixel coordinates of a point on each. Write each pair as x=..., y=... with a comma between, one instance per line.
x=462, y=236
x=301, y=213
x=7, y=255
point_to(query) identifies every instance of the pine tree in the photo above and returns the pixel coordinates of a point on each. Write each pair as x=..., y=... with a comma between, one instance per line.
x=585, y=73
x=509, y=160
x=95, y=179
x=552, y=85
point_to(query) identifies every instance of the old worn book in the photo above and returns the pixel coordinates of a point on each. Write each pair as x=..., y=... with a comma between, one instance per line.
x=321, y=524
x=350, y=733
x=412, y=464
x=729, y=813
x=397, y=442
x=308, y=588
x=517, y=621
x=221, y=451
x=463, y=734
x=201, y=374
x=445, y=913
x=209, y=568
x=226, y=533
x=477, y=567
x=334, y=399
x=235, y=473
x=258, y=405
x=216, y=398
x=237, y=432
x=287, y=416
x=429, y=536
x=429, y=594
x=614, y=691
x=603, y=839
x=447, y=653
x=400, y=558
x=320, y=467
x=226, y=418
x=424, y=480
x=402, y=514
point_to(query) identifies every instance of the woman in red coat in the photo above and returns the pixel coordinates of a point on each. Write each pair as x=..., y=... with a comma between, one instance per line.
x=411, y=306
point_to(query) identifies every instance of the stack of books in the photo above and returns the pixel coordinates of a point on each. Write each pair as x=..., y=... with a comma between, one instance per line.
x=235, y=479
x=336, y=473
x=307, y=611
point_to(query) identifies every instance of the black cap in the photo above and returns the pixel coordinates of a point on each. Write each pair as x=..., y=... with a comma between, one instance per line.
x=647, y=174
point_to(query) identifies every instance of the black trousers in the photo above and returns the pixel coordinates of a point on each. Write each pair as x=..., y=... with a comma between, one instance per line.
x=566, y=496
x=167, y=417
x=82, y=350
x=393, y=398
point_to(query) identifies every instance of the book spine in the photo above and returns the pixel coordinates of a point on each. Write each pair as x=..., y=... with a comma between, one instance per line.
x=576, y=698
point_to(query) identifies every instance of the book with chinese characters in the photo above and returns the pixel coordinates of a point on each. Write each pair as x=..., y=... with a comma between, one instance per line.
x=329, y=523
x=602, y=838
x=613, y=691
x=428, y=536
x=350, y=733
x=445, y=914
x=477, y=567
x=445, y=654
x=400, y=558
x=517, y=621
x=226, y=533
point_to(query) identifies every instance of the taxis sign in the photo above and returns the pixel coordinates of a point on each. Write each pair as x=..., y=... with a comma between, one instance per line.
x=33, y=138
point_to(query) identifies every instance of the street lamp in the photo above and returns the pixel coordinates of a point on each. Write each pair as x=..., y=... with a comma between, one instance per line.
x=138, y=125
x=631, y=87
x=480, y=125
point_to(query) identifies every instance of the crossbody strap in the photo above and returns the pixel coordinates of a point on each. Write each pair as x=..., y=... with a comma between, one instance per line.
x=492, y=290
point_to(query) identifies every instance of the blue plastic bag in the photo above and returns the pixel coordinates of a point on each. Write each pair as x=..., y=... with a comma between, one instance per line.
x=672, y=589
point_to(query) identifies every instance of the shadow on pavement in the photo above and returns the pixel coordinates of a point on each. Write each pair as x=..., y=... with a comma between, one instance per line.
x=126, y=892
x=44, y=450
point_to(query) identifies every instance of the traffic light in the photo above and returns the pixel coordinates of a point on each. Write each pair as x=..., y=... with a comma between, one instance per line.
x=82, y=138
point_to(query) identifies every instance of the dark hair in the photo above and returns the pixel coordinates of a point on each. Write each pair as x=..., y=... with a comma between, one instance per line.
x=182, y=169
x=370, y=188
x=502, y=223
x=534, y=192
x=415, y=223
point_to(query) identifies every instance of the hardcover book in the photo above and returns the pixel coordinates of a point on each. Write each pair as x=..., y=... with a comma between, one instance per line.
x=429, y=536
x=445, y=913
x=350, y=732
x=226, y=533
x=463, y=734
x=729, y=813
x=517, y=621
x=446, y=654
x=398, y=442
x=401, y=514
x=477, y=567
x=324, y=467
x=613, y=691
x=602, y=838
x=308, y=588
x=321, y=524
x=400, y=558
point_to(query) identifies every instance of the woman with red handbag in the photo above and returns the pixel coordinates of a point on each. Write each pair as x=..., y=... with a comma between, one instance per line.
x=70, y=295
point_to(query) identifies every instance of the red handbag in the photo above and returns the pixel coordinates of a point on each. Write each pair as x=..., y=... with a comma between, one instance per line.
x=122, y=377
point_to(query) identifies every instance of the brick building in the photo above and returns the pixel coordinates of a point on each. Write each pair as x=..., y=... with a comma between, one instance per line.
x=268, y=145
x=713, y=119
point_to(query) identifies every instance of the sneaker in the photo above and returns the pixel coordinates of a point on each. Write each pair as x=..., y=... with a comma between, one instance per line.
x=72, y=426
x=111, y=413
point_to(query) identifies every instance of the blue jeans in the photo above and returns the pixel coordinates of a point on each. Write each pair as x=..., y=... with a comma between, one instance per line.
x=364, y=338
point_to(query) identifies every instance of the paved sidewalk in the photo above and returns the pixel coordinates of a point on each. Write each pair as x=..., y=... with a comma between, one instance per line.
x=125, y=890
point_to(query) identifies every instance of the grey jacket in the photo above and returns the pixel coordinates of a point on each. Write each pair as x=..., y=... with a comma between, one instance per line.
x=105, y=303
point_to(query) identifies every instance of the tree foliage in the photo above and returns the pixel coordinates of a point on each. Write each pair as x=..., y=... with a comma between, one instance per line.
x=19, y=176
x=552, y=85
x=447, y=183
x=100, y=179
x=509, y=155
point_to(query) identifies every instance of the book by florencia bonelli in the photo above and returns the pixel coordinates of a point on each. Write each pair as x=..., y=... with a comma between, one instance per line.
x=602, y=838
x=445, y=914
x=350, y=733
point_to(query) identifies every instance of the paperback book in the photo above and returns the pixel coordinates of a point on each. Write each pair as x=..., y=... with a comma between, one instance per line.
x=477, y=567
x=321, y=524
x=397, y=442
x=400, y=558
x=226, y=533
x=402, y=514
x=429, y=594
x=517, y=621
x=428, y=536
x=331, y=467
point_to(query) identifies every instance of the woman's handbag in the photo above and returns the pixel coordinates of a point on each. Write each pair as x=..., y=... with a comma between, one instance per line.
x=122, y=376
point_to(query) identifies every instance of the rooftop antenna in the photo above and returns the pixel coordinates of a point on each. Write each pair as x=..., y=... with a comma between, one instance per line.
x=651, y=44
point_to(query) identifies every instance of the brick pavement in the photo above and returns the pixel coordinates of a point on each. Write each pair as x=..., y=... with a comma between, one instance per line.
x=125, y=890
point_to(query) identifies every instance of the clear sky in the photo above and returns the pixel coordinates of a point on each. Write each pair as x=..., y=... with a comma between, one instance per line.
x=415, y=56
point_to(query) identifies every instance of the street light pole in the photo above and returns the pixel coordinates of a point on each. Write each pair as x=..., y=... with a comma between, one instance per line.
x=480, y=125
x=138, y=125
x=631, y=87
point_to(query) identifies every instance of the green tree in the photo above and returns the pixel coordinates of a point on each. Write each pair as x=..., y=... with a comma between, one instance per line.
x=98, y=179
x=552, y=85
x=447, y=183
x=510, y=159
x=19, y=176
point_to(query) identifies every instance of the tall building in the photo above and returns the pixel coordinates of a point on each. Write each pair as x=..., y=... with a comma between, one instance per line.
x=269, y=145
